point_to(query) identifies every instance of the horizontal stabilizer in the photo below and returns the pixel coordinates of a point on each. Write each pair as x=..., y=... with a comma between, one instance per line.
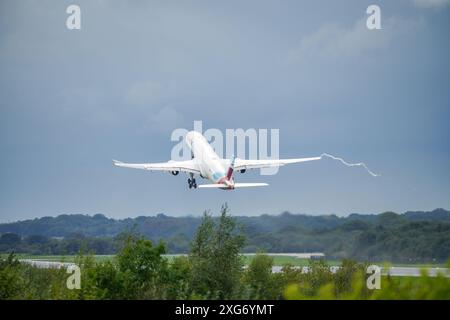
x=236, y=185
x=212, y=185
x=250, y=184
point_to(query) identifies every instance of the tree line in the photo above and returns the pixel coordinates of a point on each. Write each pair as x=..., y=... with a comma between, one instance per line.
x=213, y=269
x=411, y=237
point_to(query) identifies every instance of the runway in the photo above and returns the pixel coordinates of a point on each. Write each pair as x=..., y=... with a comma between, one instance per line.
x=392, y=271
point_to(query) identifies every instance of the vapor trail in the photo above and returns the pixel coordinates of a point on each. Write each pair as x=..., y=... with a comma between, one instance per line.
x=361, y=164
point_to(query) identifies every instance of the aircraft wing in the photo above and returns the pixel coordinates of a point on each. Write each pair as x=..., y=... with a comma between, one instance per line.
x=184, y=166
x=242, y=164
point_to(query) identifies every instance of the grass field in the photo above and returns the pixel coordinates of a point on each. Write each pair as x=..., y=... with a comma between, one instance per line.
x=279, y=260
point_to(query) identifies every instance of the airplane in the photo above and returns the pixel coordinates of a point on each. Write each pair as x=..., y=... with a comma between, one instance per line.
x=208, y=165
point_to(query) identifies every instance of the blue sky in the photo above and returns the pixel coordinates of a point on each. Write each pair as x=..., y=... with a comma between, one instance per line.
x=70, y=101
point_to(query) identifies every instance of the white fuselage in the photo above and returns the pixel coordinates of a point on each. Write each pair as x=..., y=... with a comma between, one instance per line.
x=211, y=165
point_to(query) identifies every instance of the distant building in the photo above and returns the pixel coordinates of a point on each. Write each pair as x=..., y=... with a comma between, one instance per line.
x=317, y=256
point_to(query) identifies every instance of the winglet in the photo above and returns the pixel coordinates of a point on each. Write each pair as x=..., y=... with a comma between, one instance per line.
x=117, y=162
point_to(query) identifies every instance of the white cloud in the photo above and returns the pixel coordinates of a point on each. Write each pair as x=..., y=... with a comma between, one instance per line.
x=431, y=3
x=152, y=100
x=144, y=92
x=83, y=103
x=166, y=119
x=332, y=41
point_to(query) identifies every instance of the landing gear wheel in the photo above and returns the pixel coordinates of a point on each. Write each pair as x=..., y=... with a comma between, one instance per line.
x=192, y=183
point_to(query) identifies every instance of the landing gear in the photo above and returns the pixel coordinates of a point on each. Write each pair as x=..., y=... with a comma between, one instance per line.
x=191, y=182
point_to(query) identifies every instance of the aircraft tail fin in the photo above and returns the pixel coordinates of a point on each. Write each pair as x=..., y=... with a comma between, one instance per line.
x=230, y=168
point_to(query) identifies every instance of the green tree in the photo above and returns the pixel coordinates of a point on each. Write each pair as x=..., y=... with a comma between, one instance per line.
x=216, y=262
x=11, y=282
x=143, y=269
x=179, y=278
x=263, y=284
